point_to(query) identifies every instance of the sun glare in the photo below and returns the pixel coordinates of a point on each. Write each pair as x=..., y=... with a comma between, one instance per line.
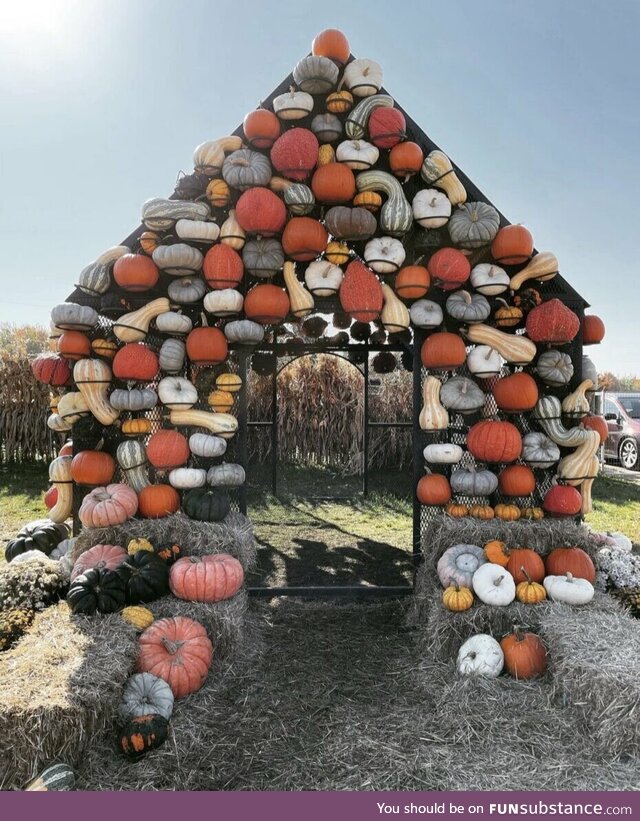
x=32, y=30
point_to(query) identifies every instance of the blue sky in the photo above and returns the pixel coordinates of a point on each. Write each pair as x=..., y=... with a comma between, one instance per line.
x=103, y=102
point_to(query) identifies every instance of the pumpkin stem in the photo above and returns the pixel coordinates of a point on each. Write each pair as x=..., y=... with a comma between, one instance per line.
x=569, y=576
x=454, y=583
x=526, y=575
x=170, y=646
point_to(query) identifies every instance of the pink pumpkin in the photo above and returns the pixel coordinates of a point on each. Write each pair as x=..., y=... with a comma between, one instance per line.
x=101, y=556
x=108, y=506
x=206, y=578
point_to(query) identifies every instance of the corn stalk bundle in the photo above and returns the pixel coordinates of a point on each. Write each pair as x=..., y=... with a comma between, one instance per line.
x=24, y=407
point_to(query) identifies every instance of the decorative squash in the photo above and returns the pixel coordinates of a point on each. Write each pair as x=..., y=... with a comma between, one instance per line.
x=433, y=415
x=60, y=476
x=145, y=694
x=177, y=393
x=136, y=427
x=425, y=313
x=260, y=211
x=507, y=316
x=206, y=578
x=494, y=585
x=466, y=307
x=562, y=500
x=442, y=454
x=530, y=592
x=205, y=504
x=93, y=376
x=395, y=316
x=384, y=255
x=474, y=224
x=70, y=316
x=483, y=361
x=158, y=501
x=298, y=197
x=462, y=395
x=149, y=241
x=105, y=348
x=221, y=424
x=223, y=267
x=108, y=506
x=315, y=74
x=142, y=734
x=42, y=534
x=178, y=259
x=412, y=282
x=186, y=478
x=134, y=326
x=160, y=214
x=326, y=127
x=208, y=447
x=226, y=475
x=244, y=169
x=95, y=278
x=56, y=777
x=92, y=467
x=516, y=349
x=539, y=450
x=73, y=406
x=209, y=156
x=481, y=655
x=172, y=356
x=361, y=294
x=244, y=332
x=552, y=322
x=301, y=301
x=96, y=590
x=339, y=102
x=337, y=253
x=472, y=482
x=574, y=560
x=396, y=216
x=483, y=512
x=363, y=77
x=512, y=245
x=492, y=441
x=323, y=278
x=295, y=153
x=597, y=423
x=145, y=576
x=456, y=511
x=350, y=223
x=456, y=598
x=218, y=193
x=568, y=590
x=132, y=458
x=207, y=346
x=489, y=279
x=576, y=405
x=431, y=208
x=266, y=304
x=443, y=351
x=525, y=656
x=223, y=302
x=543, y=266
x=437, y=170
x=333, y=183
x=167, y=449
x=516, y=393
x=197, y=231
x=449, y=268
x=359, y=155
x=231, y=232
x=497, y=552
x=433, y=489
x=508, y=513
x=555, y=368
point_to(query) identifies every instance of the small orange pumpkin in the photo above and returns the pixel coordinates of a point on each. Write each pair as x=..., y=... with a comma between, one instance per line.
x=525, y=564
x=525, y=655
x=497, y=552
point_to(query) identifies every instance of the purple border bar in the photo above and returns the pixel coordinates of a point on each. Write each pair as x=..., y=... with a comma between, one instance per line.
x=318, y=806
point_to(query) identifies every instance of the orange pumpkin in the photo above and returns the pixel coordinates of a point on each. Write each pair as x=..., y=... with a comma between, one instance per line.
x=497, y=552
x=562, y=500
x=267, y=304
x=167, y=449
x=525, y=564
x=304, y=238
x=261, y=128
x=206, y=578
x=433, y=489
x=135, y=272
x=223, y=267
x=50, y=497
x=512, y=245
x=597, y=423
x=572, y=560
x=493, y=441
x=260, y=211
x=516, y=393
x=412, y=281
x=333, y=44
x=449, y=268
x=74, y=345
x=92, y=467
x=387, y=126
x=218, y=193
x=524, y=655
x=517, y=480
x=178, y=651
x=443, y=351
x=135, y=362
x=158, y=501
x=207, y=346
x=592, y=330
x=405, y=159
x=333, y=183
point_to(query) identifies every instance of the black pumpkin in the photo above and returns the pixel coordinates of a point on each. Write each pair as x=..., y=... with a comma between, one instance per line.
x=41, y=535
x=205, y=504
x=145, y=577
x=97, y=590
x=143, y=733
x=190, y=186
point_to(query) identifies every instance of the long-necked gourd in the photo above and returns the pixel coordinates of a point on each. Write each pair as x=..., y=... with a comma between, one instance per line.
x=132, y=458
x=575, y=468
x=395, y=314
x=434, y=415
x=356, y=125
x=93, y=377
x=437, y=170
x=134, y=326
x=587, y=485
x=95, y=278
x=396, y=216
x=548, y=411
x=302, y=302
x=515, y=349
x=543, y=266
x=222, y=424
x=60, y=477
x=576, y=404
x=209, y=156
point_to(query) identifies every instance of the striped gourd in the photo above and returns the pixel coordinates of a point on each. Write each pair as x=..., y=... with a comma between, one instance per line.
x=548, y=412
x=132, y=458
x=396, y=216
x=56, y=777
x=160, y=214
x=95, y=278
x=437, y=170
x=356, y=125
x=577, y=466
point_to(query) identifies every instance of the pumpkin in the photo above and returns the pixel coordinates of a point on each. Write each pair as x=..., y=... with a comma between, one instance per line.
x=178, y=651
x=462, y=395
x=218, y=193
x=483, y=361
x=568, y=590
x=466, y=307
x=108, y=506
x=530, y=592
x=507, y=316
x=333, y=183
x=205, y=505
x=562, y=500
x=136, y=427
x=493, y=441
x=333, y=44
x=266, y=304
x=294, y=154
x=206, y=578
x=149, y=241
x=167, y=449
x=145, y=577
x=179, y=259
x=221, y=401
x=350, y=223
x=135, y=362
x=304, y=238
x=539, y=450
x=222, y=424
x=488, y=279
x=396, y=216
x=525, y=564
x=369, y=200
x=171, y=358
x=50, y=497
x=457, y=511
x=315, y=74
x=260, y=211
x=60, y=476
x=209, y=447
x=145, y=695
x=483, y=512
x=134, y=399
x=516, y=393
x=508, y=513
x=458, y=564
x=69, y=316
x=337, y=253
x=437, y=170
x=363, y=77
x=361, y=295
x=104, y=347
x=185, y=478
x=525, y=656
x=244, y=332
x=226, y=474
x=535, y=514
x=425, y=313
x=51, y=369
x=323, y=278
x=158, y=501
x=173, y=322
x=92, y=467
x=574, y=560
x=224, y=302
x=576, y=404
x=497, y=552
x=223, y=267
x=96, y=590
x=142, y=734
x=263, y=257
x=293, y=105
x=231, y=232
x=74, y=345
x=442, y=454
x=244, y=169
x=456, y=598
x=472, y=482
x=443, y=352
x=197, y=231
x=387, y=127
x=339, y=102
x=481, y=655
x=42, y=535
x=599, y=424
x=592, y=330
x=207, y=346
x=474, y=224
x=412, y=282
x=494, y=585
x=359, y=155
x=449, y=268
x=552, y=322
x=326, y=127
x=135, y=545
x=555, y=368
x=405, y=160
x=187, y=290
x=384, y=255
x=433, y=489
x=56, y=777
x=512, y=245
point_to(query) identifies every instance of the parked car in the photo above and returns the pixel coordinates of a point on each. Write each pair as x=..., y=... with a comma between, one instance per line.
x=622, y=412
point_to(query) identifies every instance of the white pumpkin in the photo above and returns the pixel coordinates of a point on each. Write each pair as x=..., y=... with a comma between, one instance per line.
x=206, y=445
x=197, y=230
x=480, y=655
x=444, y=454
x=224, y=302
x=323, y=278
x=178, y=260
x=184, y=478
x=244, y=332
x=357, y=154
x=489, y=279
x=539, y=450
x=172, y=322
x=293, y=105
x=622, y=542
x=384, y=254
x=484, y=361
x=56, y=423
x=363, y=77
x=177, y=393
x=493, y=584
x=458, y=564
x=426, y=314
x=431, y=208
x=569, y=590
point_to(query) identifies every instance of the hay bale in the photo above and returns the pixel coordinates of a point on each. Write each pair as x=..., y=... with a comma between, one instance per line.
x=233, y=535
x=60, y=687
x=595, y=667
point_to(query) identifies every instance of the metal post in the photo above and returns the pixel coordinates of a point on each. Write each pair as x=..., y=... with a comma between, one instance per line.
x=417, y=447
x=242, y=427
x=274, y=419
x=365, y=431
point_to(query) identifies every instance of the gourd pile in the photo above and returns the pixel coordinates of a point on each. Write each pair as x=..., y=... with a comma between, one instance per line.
x=320, y=199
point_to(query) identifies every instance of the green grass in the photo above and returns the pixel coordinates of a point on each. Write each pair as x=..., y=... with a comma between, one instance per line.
x=616, y=506
x=21, y=489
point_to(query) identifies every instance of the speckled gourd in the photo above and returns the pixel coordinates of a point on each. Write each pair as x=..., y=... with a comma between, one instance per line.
x=132, y=458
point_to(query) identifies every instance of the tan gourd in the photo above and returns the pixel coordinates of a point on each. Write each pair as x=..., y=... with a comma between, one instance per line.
x=543, y=266
x=73, y=406
x=93, y=377
x=434, y=415
x=587, y=485
x=547, y=412
x=60, y=477
x=301, y=300
x=209, y=156
x=395, y=315
x=134, y=326
x=437, y=170
x=576, y=404
x=576, y=467
x=516, y=349
x=222, y=424
x=231, y=232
